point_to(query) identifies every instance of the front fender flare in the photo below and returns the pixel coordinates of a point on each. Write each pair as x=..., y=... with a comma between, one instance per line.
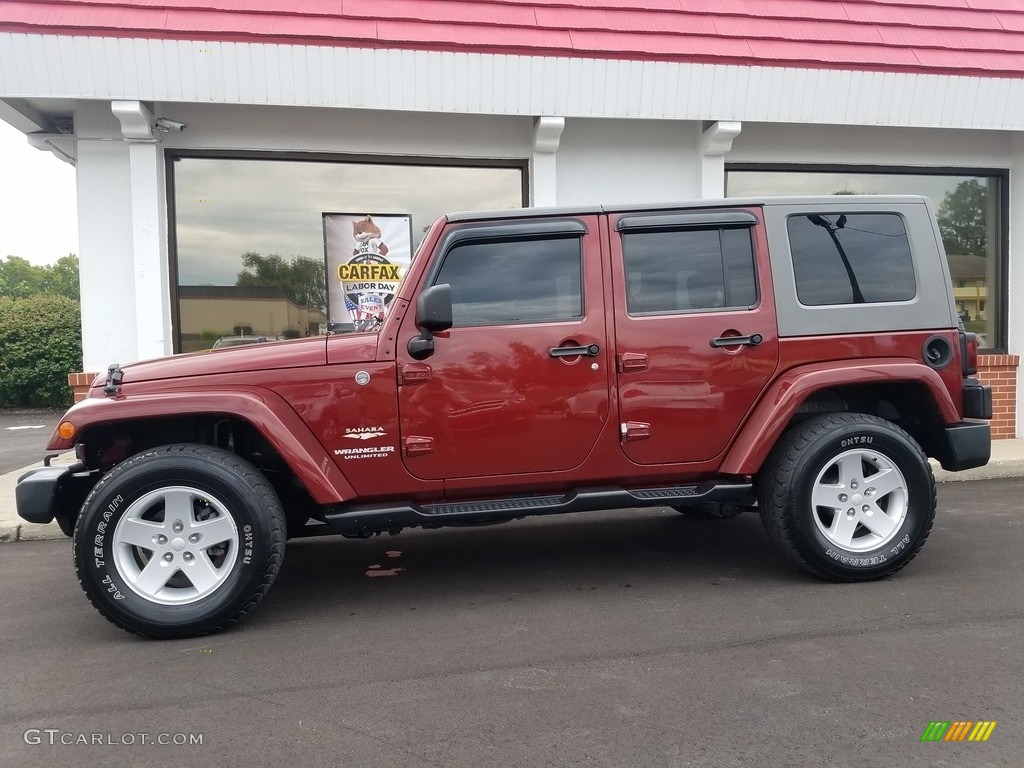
x=266, y=411
x=781, y=400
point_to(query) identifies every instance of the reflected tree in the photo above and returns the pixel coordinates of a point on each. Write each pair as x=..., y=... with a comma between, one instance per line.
x=962, y=219
x=302, y=280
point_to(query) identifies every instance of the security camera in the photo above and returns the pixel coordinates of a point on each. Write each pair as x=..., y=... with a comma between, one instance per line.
x=165, y=124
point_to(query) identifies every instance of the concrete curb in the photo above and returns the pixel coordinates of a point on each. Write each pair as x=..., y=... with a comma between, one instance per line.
x=1007, y=462
x=30, y=532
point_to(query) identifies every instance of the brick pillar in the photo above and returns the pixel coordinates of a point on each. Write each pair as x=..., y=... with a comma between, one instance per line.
x=79, y=383
x=1000, y=373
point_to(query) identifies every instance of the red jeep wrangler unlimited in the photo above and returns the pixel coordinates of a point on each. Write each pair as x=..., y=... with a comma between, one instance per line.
x=802, y=356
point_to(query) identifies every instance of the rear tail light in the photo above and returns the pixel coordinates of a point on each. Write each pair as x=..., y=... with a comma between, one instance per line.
x=969, y=352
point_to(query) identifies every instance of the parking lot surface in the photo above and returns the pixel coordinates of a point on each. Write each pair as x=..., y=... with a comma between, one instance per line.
x=619, y=639
x=23, y=436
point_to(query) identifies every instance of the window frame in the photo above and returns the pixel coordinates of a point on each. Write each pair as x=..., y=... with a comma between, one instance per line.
x=171, y=156
x=1000, y=326
x=709, y=225
x=568, y=229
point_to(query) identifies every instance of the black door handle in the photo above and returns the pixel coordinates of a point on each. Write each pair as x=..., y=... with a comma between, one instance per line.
x=591, y=350
x=738, y=341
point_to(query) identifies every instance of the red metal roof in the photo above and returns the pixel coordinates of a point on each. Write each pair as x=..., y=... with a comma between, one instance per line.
x=958, y=37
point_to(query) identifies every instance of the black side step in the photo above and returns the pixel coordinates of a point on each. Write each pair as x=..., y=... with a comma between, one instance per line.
x=367, y=519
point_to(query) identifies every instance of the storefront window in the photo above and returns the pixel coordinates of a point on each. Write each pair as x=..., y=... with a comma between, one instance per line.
x=248, y=234
x=969, y=207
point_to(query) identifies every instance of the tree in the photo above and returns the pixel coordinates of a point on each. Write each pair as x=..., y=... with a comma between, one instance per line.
x=962, y=219
x=40, y=344
x=20, y=279
x=40, y=331
x=63, y=278
x=302, y=280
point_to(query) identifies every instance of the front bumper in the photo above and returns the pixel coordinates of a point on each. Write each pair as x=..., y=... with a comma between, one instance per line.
x=54, y=493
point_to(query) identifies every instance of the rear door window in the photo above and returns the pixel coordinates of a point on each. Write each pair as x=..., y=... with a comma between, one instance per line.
x=686, y=270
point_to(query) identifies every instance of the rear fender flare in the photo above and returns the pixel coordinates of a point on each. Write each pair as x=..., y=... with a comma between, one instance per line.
x=780, y=402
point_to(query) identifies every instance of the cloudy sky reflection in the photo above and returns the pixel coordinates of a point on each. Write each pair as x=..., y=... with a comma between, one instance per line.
x=758, y=183
x=227, y=207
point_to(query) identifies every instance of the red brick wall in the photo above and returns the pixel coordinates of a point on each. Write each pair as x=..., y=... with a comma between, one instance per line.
x=1000, y=373
x=79, y=383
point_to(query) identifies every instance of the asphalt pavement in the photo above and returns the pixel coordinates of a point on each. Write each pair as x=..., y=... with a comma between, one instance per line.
x=23, y=436
x=618, y=639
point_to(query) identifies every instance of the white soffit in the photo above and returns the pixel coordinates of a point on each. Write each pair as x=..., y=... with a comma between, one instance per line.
x=60, y=66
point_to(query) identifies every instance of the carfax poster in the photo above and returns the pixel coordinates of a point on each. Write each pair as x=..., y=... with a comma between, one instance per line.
x=367, y=256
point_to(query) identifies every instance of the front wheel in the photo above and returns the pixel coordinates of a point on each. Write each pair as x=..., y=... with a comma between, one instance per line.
x=848, y=496
x=178, y=541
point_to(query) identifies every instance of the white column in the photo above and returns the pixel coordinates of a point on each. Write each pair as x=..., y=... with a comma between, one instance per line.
x=149, y=251
x=148, y=230
x=715, y=144
x=1015, y=287
x=103, y=181
x=547, y=133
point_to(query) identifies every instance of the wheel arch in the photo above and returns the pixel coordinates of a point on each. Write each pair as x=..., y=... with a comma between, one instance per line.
x=904, y=392
x=113, y=429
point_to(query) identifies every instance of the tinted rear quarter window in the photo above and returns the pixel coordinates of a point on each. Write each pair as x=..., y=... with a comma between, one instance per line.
x=851, y=258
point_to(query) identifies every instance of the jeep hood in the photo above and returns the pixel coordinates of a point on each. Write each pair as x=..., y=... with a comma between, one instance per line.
x=300, y=353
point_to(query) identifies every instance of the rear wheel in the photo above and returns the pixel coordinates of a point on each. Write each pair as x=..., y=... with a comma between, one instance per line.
x=848, y=496
x=178, y=541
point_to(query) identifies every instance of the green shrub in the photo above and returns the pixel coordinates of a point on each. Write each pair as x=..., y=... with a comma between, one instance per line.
x=40, y=344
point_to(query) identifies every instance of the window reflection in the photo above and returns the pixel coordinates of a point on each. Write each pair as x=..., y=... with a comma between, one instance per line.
x=678, y=271
x=249, y=234
x=514, y=281
x=852, y=258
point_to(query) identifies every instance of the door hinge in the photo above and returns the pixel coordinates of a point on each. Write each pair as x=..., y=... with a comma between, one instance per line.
x=632, y=361
x=417, y=445
x=634, y=430
x=413, y=373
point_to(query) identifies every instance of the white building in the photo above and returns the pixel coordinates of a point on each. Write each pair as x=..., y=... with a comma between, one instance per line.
x=290, y=110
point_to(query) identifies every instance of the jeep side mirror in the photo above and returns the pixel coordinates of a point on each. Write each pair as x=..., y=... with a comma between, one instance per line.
x=433, y=314
x=434, y=309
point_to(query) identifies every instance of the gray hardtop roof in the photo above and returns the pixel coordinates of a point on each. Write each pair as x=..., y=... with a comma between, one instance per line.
x=837, y=201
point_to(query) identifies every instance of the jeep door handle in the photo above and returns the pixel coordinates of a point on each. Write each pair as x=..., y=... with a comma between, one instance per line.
x=591, y=350
x=737, y=341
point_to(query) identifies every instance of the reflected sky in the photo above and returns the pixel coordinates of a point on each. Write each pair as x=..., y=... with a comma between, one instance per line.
x=761, y=183
x=227, y=207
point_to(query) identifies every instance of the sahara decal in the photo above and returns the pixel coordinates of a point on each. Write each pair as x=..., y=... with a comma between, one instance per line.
x=364, y=433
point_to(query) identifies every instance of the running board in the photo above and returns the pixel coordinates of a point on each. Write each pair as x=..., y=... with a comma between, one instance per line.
x=368, y=519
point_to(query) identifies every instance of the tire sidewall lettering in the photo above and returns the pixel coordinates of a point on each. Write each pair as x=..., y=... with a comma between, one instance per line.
x=113, y=497
x=247, y=544
x=825, y=554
